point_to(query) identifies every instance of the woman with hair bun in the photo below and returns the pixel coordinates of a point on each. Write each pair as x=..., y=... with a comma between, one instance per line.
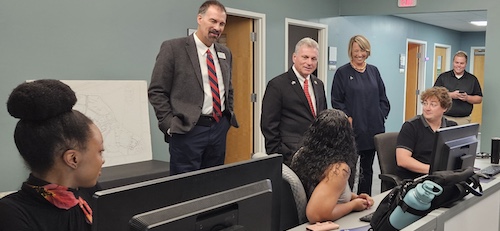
x=324, y=165
x=63, y=150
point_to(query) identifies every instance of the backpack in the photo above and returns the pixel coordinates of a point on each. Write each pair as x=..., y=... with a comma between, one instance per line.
x=456, y=185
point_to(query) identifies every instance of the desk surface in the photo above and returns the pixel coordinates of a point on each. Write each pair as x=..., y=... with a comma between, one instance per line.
x=120, y=175
x=429, y=222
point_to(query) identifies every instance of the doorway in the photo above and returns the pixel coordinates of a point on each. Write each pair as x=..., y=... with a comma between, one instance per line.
x=415, y=76
x=442, y=56
x=476, y=67
x=244, y=36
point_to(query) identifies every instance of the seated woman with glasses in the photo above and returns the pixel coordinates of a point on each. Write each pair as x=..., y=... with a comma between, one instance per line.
x=324, y=164
x=416, y=137
x=63, y=150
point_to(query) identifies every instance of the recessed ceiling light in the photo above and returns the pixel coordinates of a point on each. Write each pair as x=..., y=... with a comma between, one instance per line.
x=479, y=23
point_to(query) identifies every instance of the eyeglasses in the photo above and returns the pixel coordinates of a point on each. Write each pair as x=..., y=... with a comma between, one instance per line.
x=483, y=155
x=432, y=104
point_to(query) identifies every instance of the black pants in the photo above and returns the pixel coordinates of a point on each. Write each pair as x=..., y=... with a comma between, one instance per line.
x=365, y=173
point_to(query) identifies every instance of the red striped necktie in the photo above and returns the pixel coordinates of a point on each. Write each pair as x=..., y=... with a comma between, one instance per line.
x=214, y=86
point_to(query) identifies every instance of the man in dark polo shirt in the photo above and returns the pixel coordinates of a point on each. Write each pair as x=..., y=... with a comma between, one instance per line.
x=463, y=88
x=416, y=138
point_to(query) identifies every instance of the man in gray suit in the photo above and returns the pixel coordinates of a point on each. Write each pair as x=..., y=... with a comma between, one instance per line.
x=192, y=94
x=291, y=102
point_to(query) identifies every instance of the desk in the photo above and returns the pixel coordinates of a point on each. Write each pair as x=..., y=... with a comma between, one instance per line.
x=125, y=174
x=474, y=213
x=471, y=213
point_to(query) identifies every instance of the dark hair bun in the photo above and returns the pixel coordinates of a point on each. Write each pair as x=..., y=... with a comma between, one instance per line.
x=40, y=99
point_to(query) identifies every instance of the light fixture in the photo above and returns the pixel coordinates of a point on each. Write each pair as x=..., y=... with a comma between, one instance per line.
x=479, y=23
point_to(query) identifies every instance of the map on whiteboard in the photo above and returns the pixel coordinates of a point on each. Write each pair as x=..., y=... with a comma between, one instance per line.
x=120, y=110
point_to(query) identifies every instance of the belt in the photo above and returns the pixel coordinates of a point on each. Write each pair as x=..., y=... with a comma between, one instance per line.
x=205, y=121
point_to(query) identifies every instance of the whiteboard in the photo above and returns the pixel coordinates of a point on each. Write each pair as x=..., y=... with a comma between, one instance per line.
x=120, y=109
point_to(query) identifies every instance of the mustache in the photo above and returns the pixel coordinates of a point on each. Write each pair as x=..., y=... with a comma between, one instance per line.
x=214, y=32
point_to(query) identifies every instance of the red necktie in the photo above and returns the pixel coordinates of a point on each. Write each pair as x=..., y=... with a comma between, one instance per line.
x=306, y=91
x=214, y=86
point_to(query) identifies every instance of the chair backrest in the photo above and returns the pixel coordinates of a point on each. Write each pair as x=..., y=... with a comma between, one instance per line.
x=385, y=145
x=298, y=192
x=293, y=198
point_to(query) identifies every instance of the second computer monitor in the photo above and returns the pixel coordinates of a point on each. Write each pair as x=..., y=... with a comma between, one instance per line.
x=454, y=148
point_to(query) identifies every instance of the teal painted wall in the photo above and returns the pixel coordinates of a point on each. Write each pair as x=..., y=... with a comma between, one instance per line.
x=119, y=39
x=490, y=126
x=388, y=36
x=112, y=40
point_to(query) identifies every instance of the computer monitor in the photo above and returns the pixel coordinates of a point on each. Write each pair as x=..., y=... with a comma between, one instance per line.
x=247, y=207
x=113, y=208
x=454, y=148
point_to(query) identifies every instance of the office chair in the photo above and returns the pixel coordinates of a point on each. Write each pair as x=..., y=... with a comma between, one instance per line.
x=385, y=145
x=293, y=198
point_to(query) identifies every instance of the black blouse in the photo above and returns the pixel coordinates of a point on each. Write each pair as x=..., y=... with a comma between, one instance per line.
x=28, y=210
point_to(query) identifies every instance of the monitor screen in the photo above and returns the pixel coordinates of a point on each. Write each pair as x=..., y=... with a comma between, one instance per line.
x=454, y=148
x=247, y=207
x=113, y=208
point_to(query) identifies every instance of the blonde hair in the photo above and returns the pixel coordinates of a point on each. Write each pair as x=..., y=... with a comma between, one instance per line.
x=460, y=54
x=363, y=43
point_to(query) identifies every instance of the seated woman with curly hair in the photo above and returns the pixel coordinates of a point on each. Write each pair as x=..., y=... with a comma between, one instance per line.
x=324, y=165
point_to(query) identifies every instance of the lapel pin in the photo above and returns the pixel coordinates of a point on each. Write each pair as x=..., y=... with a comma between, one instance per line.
x=293, y=82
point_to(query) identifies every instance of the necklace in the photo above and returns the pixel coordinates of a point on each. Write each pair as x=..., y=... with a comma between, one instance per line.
x=359, y=68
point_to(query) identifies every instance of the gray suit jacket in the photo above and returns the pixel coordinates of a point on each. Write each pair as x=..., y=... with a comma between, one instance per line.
x=176, y=88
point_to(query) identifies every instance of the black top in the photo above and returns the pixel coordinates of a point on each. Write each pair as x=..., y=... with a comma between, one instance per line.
x=467, y=83
x=28, y=210
x=418, y=137
x=361, y=96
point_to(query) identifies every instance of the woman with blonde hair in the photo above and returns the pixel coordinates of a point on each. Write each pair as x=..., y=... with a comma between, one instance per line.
x=358, y=90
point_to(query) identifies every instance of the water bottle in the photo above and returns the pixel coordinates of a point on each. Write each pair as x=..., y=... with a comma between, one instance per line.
x=418, y=198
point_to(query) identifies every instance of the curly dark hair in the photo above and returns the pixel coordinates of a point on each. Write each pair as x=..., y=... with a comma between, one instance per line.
x=48, y=125
x=329, y=140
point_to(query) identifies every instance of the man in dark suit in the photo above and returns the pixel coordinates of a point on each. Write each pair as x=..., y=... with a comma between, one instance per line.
x=192, y=93
x=291, y=102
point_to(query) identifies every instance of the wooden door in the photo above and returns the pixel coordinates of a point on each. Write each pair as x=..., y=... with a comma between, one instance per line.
x=439, y=62
x=477, y=112
x=412, y=81
x=237, y=37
